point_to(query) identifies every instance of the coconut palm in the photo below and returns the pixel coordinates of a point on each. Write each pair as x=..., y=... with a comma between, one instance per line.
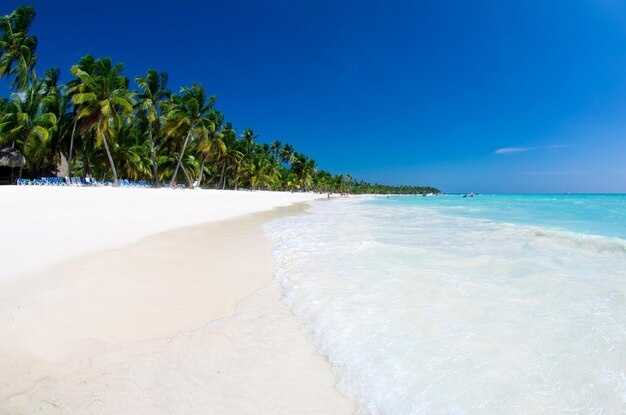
x=305, y=169
x=276, y=147
x=187, y=165
x=286, y=154
x=153, y=94
x=231, y=156
x=17, y=47
x=211, y=145
x=249, y=137
x=86, y=64
x=54, y=101
x=188, y=118
x=132, y=153
x=92, y=159
x=104, y=101
x=25, y=126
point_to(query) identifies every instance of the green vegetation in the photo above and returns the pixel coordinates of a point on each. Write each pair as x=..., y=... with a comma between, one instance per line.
x=104, y=129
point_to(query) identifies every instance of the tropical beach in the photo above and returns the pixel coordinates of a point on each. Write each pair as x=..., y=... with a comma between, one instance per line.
x=324, y=208
x=119, y=313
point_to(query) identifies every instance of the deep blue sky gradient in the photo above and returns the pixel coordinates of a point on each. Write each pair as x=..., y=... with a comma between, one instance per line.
x=416, y=92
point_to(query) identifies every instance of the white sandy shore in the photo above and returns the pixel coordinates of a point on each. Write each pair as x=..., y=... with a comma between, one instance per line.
x=45, y=225
x=182, y=322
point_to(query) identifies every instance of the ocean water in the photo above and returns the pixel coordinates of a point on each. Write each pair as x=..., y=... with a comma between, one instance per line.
x=450, y=305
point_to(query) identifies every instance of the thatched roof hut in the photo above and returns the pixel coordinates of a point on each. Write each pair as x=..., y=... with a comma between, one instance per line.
x=11, y=158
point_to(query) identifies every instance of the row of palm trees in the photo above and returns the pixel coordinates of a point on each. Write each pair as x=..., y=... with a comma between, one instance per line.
x=100, y=127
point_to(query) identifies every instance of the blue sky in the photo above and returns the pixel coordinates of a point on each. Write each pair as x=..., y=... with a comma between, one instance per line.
x=415, y=92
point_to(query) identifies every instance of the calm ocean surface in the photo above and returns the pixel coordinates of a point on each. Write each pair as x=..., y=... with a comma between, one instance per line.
x=508, y=304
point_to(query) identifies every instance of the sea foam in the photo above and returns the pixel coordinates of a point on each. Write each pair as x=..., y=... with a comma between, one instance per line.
x=423, y=312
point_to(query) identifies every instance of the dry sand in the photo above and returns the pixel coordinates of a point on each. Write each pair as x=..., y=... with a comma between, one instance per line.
x=44, y=225
x=183, y=322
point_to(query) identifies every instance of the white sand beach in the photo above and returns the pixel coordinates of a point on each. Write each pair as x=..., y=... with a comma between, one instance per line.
x=111, y=302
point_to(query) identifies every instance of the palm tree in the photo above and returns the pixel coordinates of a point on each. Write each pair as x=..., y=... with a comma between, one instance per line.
x=132, y=153
x=87, y=64
x=153, y=93
x=91, y=158
x=349, y=184
x=212, y=144
x=54, y=101
x=104, y=101
x=249, y=137
x=323, y=180
x=17, y=47
x=266, y=172
x=231, y=156
x=188, y=165
x=25, y=126
x=188, y=117
x=286, y=154
x=305, y=169
x=243, y=148
x=276, y=147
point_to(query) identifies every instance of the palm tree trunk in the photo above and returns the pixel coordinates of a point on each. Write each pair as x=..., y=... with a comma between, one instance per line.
x=187, y=178
x=106, y=147
x=180, y=159
x=155, y=173
x=237, y=178
x=69, y=156
x=222, y=178
x=201, y=171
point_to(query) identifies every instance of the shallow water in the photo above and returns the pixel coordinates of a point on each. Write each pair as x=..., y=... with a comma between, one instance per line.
x=445, y=305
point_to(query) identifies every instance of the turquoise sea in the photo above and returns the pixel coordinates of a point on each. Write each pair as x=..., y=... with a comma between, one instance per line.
x=494, y=304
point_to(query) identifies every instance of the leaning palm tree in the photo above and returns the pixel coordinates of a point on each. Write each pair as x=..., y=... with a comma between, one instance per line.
x=104, y=101
x=153, y=94
x=188, y=165
x=188, y=117
x=17, y=47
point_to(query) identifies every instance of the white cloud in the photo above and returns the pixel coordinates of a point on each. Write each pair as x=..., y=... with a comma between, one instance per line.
x=508, y=150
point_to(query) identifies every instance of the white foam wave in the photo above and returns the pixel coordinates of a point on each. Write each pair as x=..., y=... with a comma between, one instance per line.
x=421, y=313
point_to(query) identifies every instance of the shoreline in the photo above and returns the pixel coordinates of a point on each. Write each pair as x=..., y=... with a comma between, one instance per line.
x=178, y=322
